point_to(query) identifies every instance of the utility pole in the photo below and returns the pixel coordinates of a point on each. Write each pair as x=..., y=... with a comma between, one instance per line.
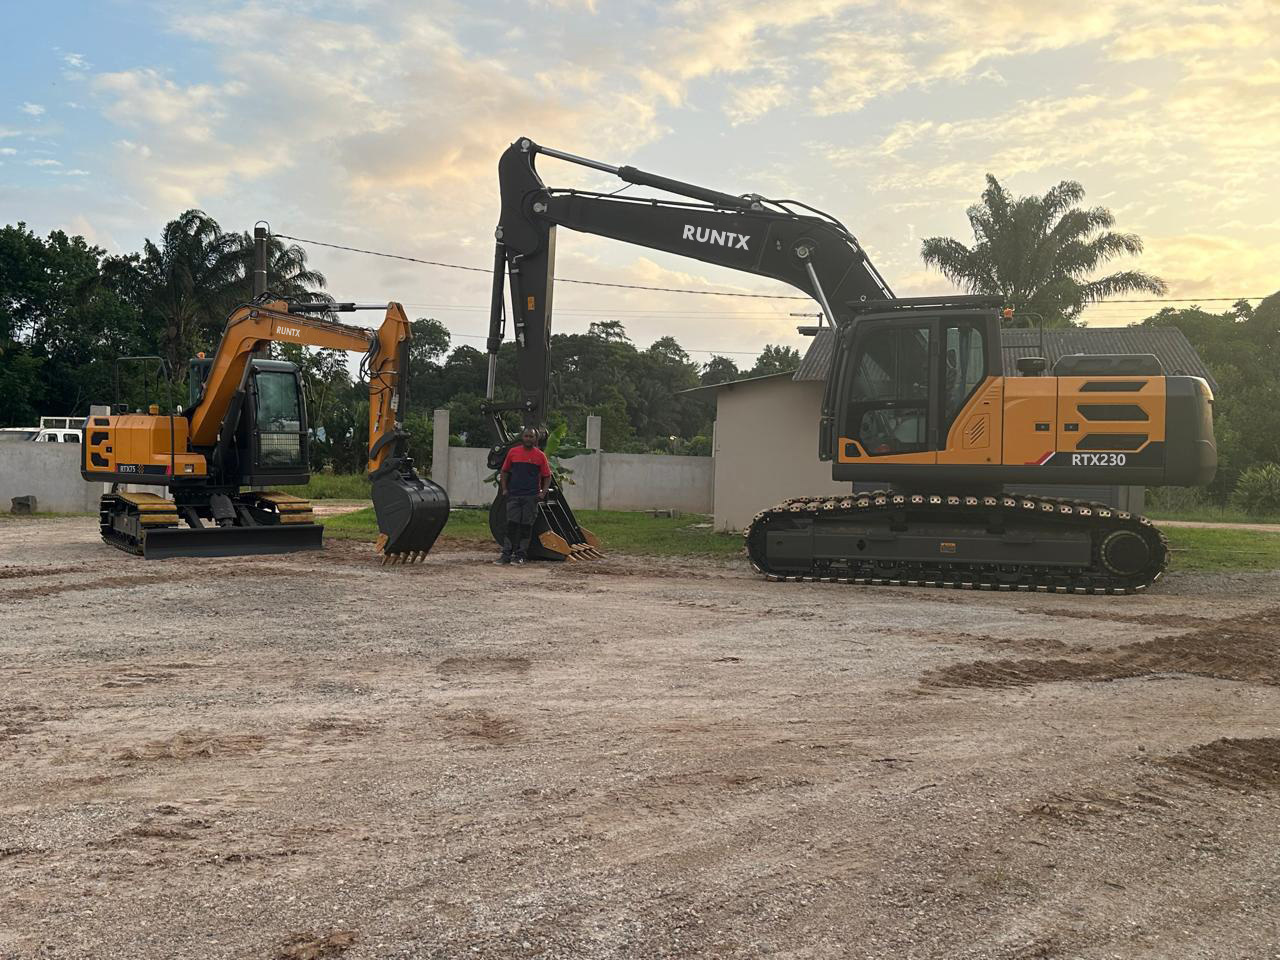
x=261, y=230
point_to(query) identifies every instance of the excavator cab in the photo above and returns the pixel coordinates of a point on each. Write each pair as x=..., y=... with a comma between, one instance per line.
x=903, y=376
x=272, y=442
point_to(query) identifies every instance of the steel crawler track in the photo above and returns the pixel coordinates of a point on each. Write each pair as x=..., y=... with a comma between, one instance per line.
x=148, y=526
x=1008, y=542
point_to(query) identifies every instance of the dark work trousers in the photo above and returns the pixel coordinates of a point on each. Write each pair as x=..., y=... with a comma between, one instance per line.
x=521, y=514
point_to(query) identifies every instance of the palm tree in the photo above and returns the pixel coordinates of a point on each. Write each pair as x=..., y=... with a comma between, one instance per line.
x=190, y=273
x=288, y=276
x=1037, y=253
x=197, y=273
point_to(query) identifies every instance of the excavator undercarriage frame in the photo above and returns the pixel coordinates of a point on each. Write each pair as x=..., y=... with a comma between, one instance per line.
x=150, y=526
x=1006, y=542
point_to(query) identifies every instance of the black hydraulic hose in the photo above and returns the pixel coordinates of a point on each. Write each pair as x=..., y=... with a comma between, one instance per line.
x=641, y=178
x=497, y=315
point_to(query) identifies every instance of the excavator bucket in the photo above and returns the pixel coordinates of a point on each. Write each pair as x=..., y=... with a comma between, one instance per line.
x=411, y=513
x=557, y=535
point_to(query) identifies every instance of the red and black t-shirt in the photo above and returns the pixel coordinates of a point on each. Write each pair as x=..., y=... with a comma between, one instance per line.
x=525, y=467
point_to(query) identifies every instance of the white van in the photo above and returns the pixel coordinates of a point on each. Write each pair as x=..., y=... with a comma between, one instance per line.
x=47, y=435
x=51, y=430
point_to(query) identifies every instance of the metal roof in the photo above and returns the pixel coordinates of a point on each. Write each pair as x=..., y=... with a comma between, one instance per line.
x=1167, y=343
x=816, y=363
x=734, y=383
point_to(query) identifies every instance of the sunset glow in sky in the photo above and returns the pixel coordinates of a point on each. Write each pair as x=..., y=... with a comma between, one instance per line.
x=378, y=123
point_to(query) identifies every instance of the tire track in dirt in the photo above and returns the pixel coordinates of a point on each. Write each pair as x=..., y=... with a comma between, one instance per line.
x=22, y=573
x=256, y=571
x=1246, y=766
x=1244, y=648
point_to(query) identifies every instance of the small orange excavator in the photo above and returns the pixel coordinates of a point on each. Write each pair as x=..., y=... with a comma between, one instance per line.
x=246, y=427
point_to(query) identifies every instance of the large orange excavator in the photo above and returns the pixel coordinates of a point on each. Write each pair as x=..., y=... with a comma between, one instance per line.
x=246, y=427
x=918, y=399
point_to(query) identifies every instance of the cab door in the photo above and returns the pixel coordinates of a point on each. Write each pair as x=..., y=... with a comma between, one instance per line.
x=971, y=391
x=890, y=411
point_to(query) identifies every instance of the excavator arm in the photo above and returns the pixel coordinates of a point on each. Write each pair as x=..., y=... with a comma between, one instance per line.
x=811, y=251
x=253, y=326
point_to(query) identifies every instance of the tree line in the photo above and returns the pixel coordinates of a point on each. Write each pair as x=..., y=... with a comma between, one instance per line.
x=68, y=311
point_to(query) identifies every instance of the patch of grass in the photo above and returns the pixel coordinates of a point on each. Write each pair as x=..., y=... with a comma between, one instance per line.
x=1209, y=513
x=624, y=532
x=332, y=486
x=1195, y=548
x=619, y=531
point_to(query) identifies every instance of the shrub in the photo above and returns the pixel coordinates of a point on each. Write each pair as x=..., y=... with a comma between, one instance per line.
x=1176, y=499
x=1258, y=490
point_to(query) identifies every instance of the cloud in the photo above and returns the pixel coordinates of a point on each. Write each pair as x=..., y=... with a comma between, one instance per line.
x=1211, y=264
x=7, y=151
x=752, y=102
x=44, y=162
x=32, y=109
x=1194, y=30
x=383, y=126
x=142, y=98
x=384, y=110
x=76, y=61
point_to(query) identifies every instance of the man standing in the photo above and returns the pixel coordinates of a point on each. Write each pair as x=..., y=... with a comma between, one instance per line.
x=523, y=480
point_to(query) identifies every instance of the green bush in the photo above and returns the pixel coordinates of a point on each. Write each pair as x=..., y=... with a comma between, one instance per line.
x=1176, y=500
x=1258, y=490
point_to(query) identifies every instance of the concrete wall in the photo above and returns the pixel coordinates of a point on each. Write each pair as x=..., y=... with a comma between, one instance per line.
x=601, y=481
x=50, y=472
x=766, y=448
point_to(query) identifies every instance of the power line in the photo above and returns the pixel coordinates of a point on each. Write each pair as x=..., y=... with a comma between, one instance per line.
x=714, y=353
x=589, y=283
x=1103, y=303
x=702, y=293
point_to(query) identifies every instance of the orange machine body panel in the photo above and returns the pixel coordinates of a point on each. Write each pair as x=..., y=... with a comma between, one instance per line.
x=142, y=447
x=1127, y=417
x=974, y=437
x=1067, y=429
x=1030, y=420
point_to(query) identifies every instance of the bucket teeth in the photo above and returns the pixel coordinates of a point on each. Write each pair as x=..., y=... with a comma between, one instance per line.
x=403, y=557
x=584, y=551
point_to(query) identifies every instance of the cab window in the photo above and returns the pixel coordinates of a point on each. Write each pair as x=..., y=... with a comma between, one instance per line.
x=888, y=406
x=279, y=419
x=964, y=367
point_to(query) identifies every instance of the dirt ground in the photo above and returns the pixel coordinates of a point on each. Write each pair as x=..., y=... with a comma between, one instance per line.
x=312, y=756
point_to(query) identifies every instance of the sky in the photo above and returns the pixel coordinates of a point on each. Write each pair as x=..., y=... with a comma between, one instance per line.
x=379, y=123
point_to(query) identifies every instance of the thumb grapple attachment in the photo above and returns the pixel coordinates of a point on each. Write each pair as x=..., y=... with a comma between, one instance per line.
x=411, y=511
x=556, y=532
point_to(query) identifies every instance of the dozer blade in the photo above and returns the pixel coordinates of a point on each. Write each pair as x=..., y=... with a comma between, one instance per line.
x=160, y=542
x=411, y=513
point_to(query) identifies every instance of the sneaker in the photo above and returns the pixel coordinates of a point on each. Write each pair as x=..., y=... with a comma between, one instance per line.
x=503, y=559
x=517, y=560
